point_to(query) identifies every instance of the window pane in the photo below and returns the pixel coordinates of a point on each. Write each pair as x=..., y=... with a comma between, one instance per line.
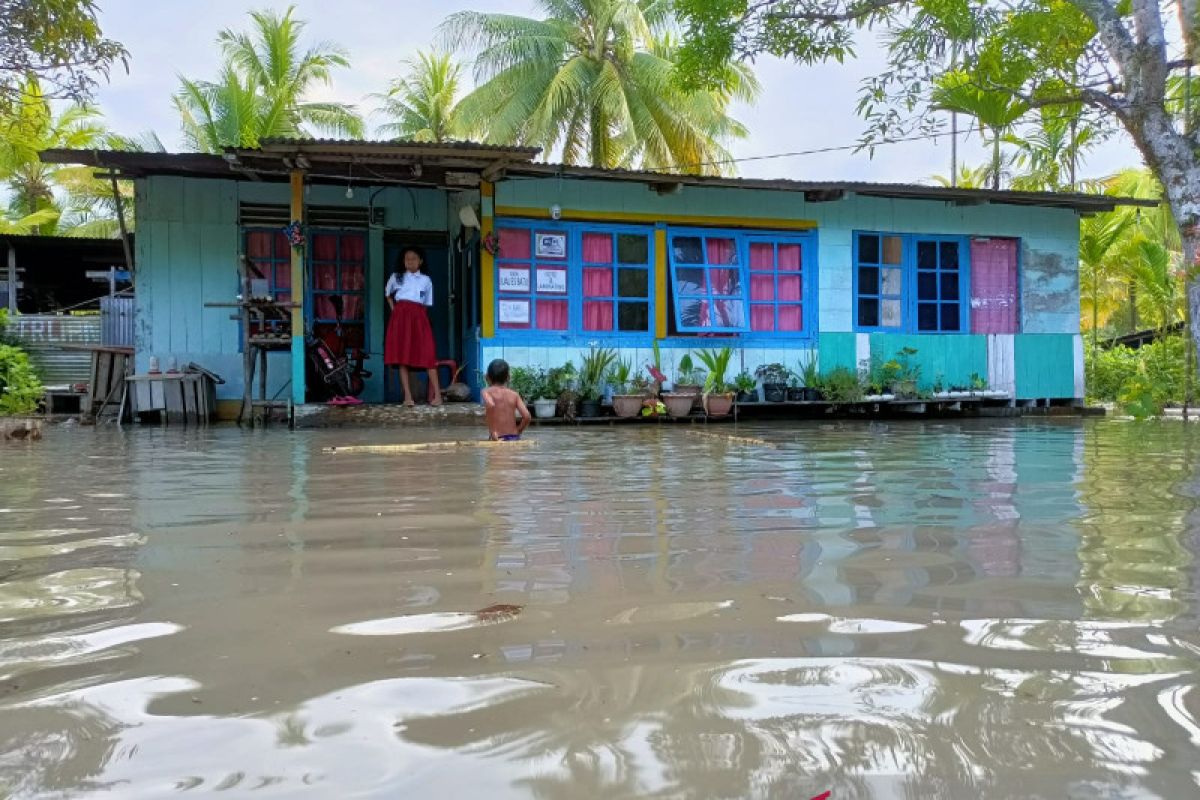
x=598, y=316
x=690, y=280
x=868, y=249
x=927, y=255
x=791, y=318
x=868, y=280
x=597, y=282
x=721, y=251
x=762, y=255
x=693, y=313
x=891, y=313
x=551, y=315
x=949, y=252
x=633, y=248
x=789, y=257
x=927, y=286
x=949, y=285
x=789, y=287
x=893, y=250
x=725, y=281
x=687, y=250
x=514, y=243
x=927, y=316
x=949, y=316
x=892, y=281
x=762, y=286
x=727, y=314
x=597, y=248
x=762, y=318
x=633, y=316
x=633, y=283
x=258, y=244
x=868, y=313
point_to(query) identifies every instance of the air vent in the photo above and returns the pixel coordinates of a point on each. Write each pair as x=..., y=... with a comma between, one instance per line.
x=260, y=215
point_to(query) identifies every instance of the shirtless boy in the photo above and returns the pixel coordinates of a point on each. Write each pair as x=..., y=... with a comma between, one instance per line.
x=503, y=404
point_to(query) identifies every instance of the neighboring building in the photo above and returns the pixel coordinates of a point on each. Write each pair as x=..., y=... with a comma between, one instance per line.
x=978, y=282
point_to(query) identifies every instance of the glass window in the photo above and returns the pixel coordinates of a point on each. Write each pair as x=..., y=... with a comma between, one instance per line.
x=880, y=281
x=532, y=279
x=337, y=272
x=777, y=283
x=938, y=275
x=709, y=296
x=270, y=258
x=616, y=282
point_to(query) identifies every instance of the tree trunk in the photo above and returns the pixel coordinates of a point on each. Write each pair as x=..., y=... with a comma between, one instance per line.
x=996, y=160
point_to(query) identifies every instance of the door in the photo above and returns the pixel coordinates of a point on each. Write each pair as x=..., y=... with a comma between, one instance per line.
x=437, y=266
x=994, y=300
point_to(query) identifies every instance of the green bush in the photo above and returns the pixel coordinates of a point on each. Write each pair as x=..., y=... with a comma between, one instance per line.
x=20, y=389
x=1144, y=380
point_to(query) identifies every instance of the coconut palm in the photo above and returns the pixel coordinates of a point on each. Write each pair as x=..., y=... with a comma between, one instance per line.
x=1050, y=154
x=1099, y=271
x=261, y=89
x=994, y=111
x=421, y=105
x=593, y=80
x=968, y=177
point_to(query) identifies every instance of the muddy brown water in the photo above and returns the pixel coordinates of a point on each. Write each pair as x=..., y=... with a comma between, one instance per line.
x=916, y=610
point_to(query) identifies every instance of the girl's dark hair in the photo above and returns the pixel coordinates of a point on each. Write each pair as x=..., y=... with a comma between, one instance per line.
x=400, y=270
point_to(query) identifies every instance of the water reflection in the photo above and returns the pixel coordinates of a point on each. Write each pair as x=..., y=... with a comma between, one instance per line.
x=881, y=610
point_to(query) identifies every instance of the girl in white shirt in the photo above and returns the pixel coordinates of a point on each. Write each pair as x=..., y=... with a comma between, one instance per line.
x=409, y=343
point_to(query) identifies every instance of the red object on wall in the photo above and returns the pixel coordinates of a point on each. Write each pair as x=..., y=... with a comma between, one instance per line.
x=994, y=302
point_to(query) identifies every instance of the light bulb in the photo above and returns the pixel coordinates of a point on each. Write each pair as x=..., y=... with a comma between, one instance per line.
x=349, y=192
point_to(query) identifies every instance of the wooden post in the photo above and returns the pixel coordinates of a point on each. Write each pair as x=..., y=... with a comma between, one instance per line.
x=487, y=271
x=121, y=221
x=12, y=278
x=660, y=283
x=298, y=292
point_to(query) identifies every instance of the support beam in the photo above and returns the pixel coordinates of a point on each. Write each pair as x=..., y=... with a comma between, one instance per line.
x=299, y=290
x=660, y=283
x=487, y=267
x=12, y=278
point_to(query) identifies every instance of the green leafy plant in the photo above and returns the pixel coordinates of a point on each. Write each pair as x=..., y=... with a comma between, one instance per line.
x=1139, y=400
x=809, y=373
x=639, y=384
x=591, y=374
x=528, y=382
x=939, y=384
x=620, y=375
x=773, y=373
x=717, y=364
x=560, y=379
x=841, y=385
x=745, y=382
x=978, y=382
x=687, y=374
x=20, y=389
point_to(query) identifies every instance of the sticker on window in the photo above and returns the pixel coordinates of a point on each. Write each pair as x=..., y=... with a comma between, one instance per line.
x=551, y=245
x=514, y=312
x=552, y=281
x=514, y=280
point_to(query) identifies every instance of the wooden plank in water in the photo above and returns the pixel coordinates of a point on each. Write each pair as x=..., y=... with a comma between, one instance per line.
x=417, y=447
x=748, y=440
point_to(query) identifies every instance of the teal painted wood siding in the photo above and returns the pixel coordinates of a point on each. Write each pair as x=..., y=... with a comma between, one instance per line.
x=838, y=350
x=1045, y=365
x=952, y=358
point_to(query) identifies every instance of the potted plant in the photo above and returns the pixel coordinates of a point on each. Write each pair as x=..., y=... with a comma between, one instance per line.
x=626, y=401
x=810, y=378
x=795, y=392
x=841, y=385
x=774, y=379
x=907, y=374
x=718, y=394
x=591, y=379
x=656, y=371
x=545, y=396
x=688, y=381
x=561, y=387
x=746, y=387
x=527, y=382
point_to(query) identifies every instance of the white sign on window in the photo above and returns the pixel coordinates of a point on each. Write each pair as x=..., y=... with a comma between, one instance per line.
x=514, y=312
x=552, y=281
x=514, y=280
x=551, y=245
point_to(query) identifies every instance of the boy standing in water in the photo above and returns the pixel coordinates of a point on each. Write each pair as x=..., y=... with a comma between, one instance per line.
x=503, y=405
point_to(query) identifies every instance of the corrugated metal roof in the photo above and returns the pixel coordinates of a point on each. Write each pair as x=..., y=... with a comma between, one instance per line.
x=396, y=145
x=41, y=334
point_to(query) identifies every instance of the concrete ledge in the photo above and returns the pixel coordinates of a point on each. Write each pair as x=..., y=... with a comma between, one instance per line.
x=387, y=416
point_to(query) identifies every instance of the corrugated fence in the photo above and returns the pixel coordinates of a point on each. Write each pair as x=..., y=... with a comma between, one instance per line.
x=42, y=334
x=116, y=315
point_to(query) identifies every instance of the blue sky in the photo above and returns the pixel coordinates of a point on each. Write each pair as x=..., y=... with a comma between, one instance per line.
x=800, y=108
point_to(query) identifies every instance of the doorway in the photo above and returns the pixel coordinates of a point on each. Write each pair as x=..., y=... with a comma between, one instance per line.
x=443, y=316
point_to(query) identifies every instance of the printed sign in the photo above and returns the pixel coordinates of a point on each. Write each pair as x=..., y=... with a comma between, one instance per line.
x=514, y=312
x=552, y=281
x=551, y=245
x=514, y=280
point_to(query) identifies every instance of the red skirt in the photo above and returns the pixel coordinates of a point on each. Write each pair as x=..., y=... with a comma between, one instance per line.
x=409, y=341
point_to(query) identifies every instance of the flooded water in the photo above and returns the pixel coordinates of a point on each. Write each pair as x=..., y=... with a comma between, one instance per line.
x=878, y=610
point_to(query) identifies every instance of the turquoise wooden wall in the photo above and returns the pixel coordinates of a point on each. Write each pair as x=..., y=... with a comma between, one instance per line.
x=1049, y=236
x=1044, y=365
x=188, y=242
x=952, y=358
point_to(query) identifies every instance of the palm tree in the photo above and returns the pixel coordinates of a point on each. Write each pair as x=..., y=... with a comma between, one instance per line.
x=36, y=189
x=994, y=111
x=421, y=105
x=261, y=89
x=593, y=80
x=1050, y=155
x=968, y=177
x=1098, y=237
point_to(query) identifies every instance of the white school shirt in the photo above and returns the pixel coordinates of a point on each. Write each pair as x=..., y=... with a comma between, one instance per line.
x=415, y=288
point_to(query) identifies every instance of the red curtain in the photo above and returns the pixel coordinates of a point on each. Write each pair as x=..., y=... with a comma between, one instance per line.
x=597, y=248
x=762, y=256
x=552, y=315
x=994, y=303
x=514, y=243
x=324, y=246
x=762, y=318
x=353, y=246
x=762, y=287
x=598, y=282
x=258, y=244
x=791, y=318
x=789, y=287
x=789, y=258
x=721, y=251
x=724, y=281
x=598, y=316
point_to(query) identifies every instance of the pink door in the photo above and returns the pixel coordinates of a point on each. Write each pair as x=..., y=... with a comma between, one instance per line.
x=994, y=302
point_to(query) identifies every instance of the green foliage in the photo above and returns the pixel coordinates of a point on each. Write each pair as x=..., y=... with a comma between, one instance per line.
x=595, y=367
x=620, y=375
x=745, y=382
x=773, y=373
x=808, y=372
x=528, y=382
x=260, y=90
x=841, y=385
x=20, y=389
x=421, y=105
x=1152, y=376
x=717, y=364
x=687, y=374
x=593, y=80
x=560, y=379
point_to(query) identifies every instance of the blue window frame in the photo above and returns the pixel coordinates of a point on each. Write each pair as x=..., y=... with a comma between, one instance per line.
x=560, y=278
x=708, y=281
x=910, y=283
x=782, y=273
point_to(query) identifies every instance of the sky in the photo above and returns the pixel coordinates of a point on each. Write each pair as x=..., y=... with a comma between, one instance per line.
x=800, y=108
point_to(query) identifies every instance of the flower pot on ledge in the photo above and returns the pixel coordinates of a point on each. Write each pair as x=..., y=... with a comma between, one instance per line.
x=679, y=405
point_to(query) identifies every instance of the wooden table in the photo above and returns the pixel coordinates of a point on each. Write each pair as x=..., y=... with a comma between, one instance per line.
x=179, y=397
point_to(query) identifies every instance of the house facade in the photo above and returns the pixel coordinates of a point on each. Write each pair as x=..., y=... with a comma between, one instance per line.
x=536, y=263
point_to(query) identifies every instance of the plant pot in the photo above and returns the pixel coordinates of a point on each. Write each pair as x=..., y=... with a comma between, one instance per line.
x=545, y=409
x=692, y=389
x=795, y=394
x=775, y=392
x=747, y=397
x=678, y=405
x=719, y=405
x=810, y=395
x=589, y=408
x=627, y=405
